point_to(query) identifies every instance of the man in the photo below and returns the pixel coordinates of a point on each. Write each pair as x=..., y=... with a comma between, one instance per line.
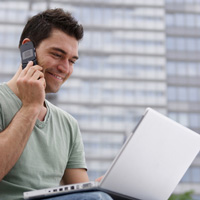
x=40, y=144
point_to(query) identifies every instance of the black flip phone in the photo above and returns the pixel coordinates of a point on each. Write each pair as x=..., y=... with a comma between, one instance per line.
x=28, y=53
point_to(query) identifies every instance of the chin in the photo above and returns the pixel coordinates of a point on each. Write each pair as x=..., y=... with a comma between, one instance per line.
x=51, y=90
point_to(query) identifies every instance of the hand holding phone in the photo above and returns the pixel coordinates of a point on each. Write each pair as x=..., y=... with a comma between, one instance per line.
x=28, y=53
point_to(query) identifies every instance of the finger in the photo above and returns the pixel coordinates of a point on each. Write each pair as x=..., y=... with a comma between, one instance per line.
x=33, y=69
x=30, y=63
x=99, y=179
x=37, y=75
x=43, y=81
x=26, y=70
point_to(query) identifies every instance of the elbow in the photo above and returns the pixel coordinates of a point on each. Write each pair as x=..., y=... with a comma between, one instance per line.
x=1, y=177
x=2, y=173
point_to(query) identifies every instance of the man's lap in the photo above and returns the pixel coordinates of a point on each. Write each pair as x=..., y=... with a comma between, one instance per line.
x=83, y=196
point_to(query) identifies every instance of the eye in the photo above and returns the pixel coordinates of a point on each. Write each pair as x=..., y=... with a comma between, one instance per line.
x=57, y=55
x=72, y=62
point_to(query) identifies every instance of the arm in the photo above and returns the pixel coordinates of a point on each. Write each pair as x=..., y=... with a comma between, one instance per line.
x=74, y=176
x=13, y=139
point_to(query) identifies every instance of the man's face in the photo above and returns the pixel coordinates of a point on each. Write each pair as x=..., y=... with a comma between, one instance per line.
x=56, y=55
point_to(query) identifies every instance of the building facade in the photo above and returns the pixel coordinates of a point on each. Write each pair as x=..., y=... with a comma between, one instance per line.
x=133, y=56
x=183, y=73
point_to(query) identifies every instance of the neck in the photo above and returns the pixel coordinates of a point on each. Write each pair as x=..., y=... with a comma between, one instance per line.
x=43, y=112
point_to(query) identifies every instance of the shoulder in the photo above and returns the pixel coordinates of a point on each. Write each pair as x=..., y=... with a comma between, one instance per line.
x=2, y=89
x=4, y=93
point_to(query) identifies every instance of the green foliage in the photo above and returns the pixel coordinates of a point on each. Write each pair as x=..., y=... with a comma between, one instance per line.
x=184, y=196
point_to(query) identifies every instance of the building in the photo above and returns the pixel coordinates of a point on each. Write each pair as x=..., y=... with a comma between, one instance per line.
x=127, y=63
x=183, y=72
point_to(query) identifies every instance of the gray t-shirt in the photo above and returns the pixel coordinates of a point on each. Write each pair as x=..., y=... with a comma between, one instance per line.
x=54, y=145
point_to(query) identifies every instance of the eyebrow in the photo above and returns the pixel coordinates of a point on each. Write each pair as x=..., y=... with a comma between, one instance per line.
x=63, y=52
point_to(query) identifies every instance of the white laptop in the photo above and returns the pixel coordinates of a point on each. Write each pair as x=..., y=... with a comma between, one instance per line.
x=149, y=165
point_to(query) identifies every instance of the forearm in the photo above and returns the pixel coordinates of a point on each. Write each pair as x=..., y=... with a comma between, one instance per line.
x=72, y=176
x=14, y=138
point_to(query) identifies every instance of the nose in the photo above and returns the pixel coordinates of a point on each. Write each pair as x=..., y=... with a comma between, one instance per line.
x=64, y=66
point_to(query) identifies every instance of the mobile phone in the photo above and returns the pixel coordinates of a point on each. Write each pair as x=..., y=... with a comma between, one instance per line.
x=28, y=53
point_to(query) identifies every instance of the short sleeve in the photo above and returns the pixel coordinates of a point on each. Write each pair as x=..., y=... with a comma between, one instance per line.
x=77, y=153
x=1, y=119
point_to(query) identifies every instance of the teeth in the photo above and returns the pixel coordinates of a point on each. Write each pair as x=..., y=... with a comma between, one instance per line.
x=58, y=77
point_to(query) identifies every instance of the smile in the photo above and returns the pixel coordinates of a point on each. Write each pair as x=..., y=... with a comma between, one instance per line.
x=56, y=76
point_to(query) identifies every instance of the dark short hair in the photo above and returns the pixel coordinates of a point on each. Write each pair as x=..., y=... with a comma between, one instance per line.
x=40, y=26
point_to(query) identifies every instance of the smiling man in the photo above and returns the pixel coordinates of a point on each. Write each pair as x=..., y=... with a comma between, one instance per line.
x=40, y=144
x=53, y=51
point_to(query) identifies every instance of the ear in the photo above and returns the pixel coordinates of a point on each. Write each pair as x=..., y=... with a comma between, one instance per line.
x=26, y=40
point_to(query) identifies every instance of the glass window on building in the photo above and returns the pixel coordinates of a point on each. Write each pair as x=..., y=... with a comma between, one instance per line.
x=187, y=177
x=192, y=175
x=198, y=20
x=198, y=43
x=190, y=20
x=193, y=94
x=183, y=119
x=171, y=68
x=198, y=69
x=180, y=19
x=85, y=15
x=107, y=15
x=191, y=44
x=196, y=197
x=194, y=120
x=180, y=43
x=180, y=117
x=173, y=116
x=170, y=43
x=182, y=94
x=172, y=94
x=192, y=69
x=170, y=20
x=181, y=69
x=96, y=16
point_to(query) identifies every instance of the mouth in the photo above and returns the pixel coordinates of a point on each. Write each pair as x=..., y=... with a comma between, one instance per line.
x=56, y=76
